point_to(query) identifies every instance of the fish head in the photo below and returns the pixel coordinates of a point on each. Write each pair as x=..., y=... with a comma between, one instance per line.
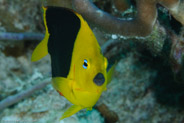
x=88, y=68
x=90, y=76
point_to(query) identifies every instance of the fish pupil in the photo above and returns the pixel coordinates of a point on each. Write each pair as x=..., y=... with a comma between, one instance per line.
x=85, y=64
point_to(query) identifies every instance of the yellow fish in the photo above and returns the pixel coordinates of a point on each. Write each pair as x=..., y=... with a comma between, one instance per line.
x=78, y=66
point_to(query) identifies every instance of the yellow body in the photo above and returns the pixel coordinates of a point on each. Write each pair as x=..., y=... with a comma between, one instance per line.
x=78, y=87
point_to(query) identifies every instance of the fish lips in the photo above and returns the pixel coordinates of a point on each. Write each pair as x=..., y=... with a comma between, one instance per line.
x=99, y=79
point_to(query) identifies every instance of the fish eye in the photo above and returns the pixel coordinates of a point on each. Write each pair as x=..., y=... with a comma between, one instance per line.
x=85, y=64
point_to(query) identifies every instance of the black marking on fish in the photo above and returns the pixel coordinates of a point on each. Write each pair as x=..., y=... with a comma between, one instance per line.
x=63, y=27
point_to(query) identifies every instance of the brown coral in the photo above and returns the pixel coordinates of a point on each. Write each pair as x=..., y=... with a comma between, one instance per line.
x=141, y=25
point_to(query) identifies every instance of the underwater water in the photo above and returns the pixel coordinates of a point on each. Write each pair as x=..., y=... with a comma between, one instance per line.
x=147, y=85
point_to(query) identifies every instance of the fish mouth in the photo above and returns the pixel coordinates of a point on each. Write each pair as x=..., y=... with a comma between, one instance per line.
x=99, y=79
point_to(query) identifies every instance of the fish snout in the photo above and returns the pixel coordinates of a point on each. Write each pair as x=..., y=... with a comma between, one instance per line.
x=99, y=79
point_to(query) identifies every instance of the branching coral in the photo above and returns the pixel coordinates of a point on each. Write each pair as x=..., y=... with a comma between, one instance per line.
x=21, y=36
x=141, y=25
x=176, y=8
x=10, y=100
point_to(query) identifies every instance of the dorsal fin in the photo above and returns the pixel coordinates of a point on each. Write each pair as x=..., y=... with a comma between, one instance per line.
x=41, y=50
x=62, y=26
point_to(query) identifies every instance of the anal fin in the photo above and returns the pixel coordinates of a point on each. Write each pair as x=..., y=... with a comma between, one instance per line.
x=72, y=110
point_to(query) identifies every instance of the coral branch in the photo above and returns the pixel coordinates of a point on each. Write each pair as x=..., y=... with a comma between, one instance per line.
x=169, y=3
x=176, y=8
x=141, y=25
x=121, y=5
x=21, y=36
x=110, y=116
x=18, y=97
x=177, y=11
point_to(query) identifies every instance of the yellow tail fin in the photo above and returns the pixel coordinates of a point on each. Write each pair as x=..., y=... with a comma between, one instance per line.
x=41, y=50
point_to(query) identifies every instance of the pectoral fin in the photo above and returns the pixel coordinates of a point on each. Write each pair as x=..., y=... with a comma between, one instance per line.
x=62, y=85
x=72, y=110
x=110, y=74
